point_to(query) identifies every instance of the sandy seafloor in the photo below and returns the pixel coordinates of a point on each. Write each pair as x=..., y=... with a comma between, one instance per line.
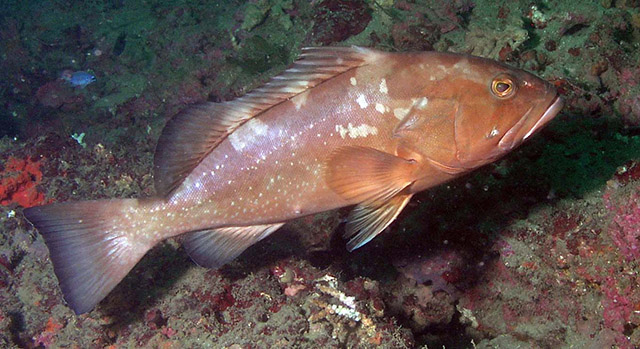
x=538, y=250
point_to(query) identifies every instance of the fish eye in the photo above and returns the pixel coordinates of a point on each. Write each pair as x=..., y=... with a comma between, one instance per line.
x=503, y=86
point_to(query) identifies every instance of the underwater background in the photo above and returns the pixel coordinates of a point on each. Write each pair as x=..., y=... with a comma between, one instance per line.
x=538, y=250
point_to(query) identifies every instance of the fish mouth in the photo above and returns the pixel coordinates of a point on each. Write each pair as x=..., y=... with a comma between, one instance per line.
x=550, y=113
x=514, y=136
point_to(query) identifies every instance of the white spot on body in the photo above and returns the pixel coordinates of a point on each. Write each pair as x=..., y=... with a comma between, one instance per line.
x=247, y=134
x=463, y=65
x=362, y=101
x=421, y=103
x=353, y=81
x=380, y=108
x=383, y=86
x=300, y=100
x=362, y=130
x=400, y=113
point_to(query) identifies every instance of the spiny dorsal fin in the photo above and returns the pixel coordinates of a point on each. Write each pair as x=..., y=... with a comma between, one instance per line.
x=215, y=247
x=196, y=131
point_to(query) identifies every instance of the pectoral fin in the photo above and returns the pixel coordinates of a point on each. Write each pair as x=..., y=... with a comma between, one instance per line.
x=215, y=247
x=369, y=176
x=367, y=221
x=376, y=181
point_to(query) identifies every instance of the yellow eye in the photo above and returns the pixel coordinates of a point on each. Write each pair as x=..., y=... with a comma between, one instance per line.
x=503, y=87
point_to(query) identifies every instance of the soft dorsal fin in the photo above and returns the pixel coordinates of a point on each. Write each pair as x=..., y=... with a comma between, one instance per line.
x=196, y=131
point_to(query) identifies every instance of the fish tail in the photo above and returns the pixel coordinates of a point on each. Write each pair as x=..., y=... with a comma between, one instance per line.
x=92, y=244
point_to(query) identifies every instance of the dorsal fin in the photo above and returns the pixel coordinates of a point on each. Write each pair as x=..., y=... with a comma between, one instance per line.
x=193, y=133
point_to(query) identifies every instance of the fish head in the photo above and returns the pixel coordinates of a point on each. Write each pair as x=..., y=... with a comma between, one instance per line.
x=499, y=108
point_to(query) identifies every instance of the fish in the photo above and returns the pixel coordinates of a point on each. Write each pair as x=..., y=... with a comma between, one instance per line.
x=342, y=126
x=79, y=78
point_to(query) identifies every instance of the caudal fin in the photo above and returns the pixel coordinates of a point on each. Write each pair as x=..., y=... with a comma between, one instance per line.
x=92, y=245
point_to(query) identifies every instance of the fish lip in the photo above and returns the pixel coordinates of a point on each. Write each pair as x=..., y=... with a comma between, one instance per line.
x=510, y=140
x=550, y=113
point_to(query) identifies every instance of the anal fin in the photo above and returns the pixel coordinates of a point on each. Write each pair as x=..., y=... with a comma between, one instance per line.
x=367, y=221
x=213, y=248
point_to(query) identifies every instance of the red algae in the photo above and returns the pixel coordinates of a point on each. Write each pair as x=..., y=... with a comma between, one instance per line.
x=47, y=336
x=18, y=183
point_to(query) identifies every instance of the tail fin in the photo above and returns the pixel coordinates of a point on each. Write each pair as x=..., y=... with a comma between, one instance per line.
x=92, y=245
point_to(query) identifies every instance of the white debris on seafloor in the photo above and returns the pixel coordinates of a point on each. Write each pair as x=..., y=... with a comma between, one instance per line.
x=346, y=308
x=332, y=290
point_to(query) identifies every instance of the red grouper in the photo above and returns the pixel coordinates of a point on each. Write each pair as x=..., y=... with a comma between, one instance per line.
x=342, y=126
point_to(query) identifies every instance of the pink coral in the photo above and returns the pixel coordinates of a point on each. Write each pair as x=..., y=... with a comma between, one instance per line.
x=629, y=99
x=629, y=107
x=625, y=226
x=47, y=337
x=617, y=307
x=292, y=290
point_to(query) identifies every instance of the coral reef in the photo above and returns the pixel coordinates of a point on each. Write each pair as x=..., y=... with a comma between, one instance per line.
x=540, y=249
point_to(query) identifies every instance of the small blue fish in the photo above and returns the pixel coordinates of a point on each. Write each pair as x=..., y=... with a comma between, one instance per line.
x=78, y=79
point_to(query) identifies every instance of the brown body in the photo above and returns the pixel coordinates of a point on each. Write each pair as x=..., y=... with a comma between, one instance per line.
x=343, y=126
